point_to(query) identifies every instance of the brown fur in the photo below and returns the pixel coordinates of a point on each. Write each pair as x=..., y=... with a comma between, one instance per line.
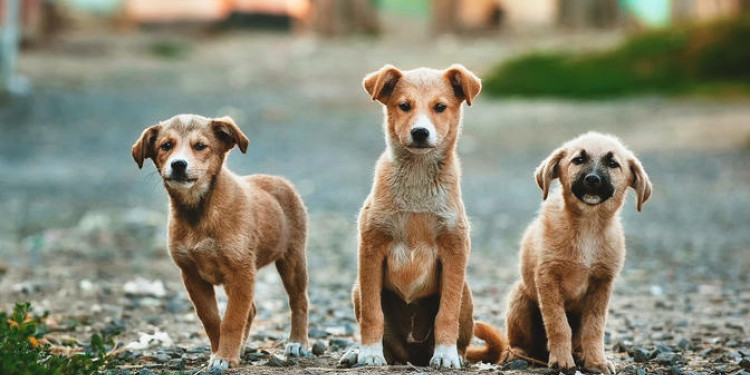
x=570, y=256
x=414, y=241
x=223, y=227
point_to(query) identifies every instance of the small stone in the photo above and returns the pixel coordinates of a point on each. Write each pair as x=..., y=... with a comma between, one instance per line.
x=254, y=357
x=319, y=348
x=161, y=357
x=338, y=343
x=641, y=354
x=684, y=344
x=662, y=348
x=745, y=363
x=640, y=371
x=743, y=372
x=734, y=326
x=214, y=371
x=666, y=358
x=274, y=361
x=518, y=364
x=318, y=333
x=744, y=353
x=176, y=364
x=146, y=371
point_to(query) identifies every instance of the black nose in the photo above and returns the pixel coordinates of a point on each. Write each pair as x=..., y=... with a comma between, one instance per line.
x=179, y=166
x=419, y=135
x=593, y=180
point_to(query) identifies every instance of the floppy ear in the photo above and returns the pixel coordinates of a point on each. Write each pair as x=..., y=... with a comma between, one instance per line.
x=548, y=171
x=229, y=132
x=641, y=183
x=144, y=147
x=380, y=84
x=465, y=84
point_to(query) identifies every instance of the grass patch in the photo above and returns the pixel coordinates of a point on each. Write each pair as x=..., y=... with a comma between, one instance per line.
x=24, y=350
x=710, y=58
x=169, y=49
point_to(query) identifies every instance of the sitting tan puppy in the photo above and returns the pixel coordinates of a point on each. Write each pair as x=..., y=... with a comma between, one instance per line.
x=411, y=299
x=570, y=256
x=223, y=227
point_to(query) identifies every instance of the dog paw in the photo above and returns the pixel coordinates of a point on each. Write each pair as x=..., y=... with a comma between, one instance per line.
x=221, y=364
x=295, y=349
x=446, y=356
x=604, y=367
x=371, y=355
x=561, y=361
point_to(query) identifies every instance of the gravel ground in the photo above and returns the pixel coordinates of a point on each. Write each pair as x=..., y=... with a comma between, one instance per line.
x=82, y=230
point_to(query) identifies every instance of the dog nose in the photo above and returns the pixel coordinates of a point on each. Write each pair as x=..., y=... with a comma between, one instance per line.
x=593, y=180
x=419, y=135
x=179, y=166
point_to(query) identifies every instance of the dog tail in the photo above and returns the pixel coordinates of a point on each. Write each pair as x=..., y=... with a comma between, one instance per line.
x=494, y=349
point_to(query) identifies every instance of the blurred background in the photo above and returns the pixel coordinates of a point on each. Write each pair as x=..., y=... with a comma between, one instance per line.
x=82, y=229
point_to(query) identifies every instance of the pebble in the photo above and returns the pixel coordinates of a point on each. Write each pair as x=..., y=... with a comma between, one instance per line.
x=214, y=371
x=518, y=364
x=161, y=357
x=667, y=358
x=254, y=357
x=662, y=348
x=641, y=354
x=274, y=361
x=316, y=333
x=641, y=371
x=146, y=371
x=319, y=348
x=745, y=363
x=176, y=364
x=684, y=344
x=338, y=343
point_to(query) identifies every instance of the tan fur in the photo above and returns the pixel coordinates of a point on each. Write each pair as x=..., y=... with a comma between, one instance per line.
x=224, y=227
x=413, y=231
x=570, y=256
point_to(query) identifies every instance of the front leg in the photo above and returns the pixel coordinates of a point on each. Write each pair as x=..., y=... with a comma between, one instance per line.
x=453, y=253
x=204, y=300
x=593, y=321
x=371, y=320
x=239, y=285
x=552, y=307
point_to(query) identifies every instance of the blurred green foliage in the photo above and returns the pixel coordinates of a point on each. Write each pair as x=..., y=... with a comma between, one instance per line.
x=711, y=58
x=24, y=352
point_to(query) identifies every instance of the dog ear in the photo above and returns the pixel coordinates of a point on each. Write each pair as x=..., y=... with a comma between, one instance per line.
x=465, y=84
x=641, y=183
x=548, y=171
x=144, y=147
x=380, y=84
x=229, y=132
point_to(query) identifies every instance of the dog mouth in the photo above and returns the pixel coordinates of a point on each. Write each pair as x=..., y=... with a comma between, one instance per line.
x=420, y=148
x=592, y=196
x=181, y=180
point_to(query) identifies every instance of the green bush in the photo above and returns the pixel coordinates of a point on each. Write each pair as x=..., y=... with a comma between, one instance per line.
x=23, y=351
x=707, y=57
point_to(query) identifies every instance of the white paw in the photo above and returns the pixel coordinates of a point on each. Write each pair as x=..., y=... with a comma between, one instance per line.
x=371, y=355
x=446, y=356
x=217, y=363
x=295, y=349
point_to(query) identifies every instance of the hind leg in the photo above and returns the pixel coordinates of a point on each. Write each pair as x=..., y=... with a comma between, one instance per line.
x=246, y=335
x=293, y=271
x=465, y=320
x=526, y=335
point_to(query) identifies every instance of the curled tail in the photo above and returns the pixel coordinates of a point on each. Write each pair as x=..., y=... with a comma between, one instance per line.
x=495, y=348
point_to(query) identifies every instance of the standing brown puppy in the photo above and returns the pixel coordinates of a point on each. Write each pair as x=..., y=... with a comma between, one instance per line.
x=571, y=254
x=223, y=227
x=411, y=299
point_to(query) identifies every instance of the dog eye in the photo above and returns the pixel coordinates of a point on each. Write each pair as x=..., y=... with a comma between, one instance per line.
x=578, y=160
x=167, y=146
x=613, y=164
x=440, y=107
x=199, y=146
x=405, y=106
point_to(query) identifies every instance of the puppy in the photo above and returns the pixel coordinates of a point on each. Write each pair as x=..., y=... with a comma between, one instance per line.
x=571, y=254
x=223, y=227
x=411, y=298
